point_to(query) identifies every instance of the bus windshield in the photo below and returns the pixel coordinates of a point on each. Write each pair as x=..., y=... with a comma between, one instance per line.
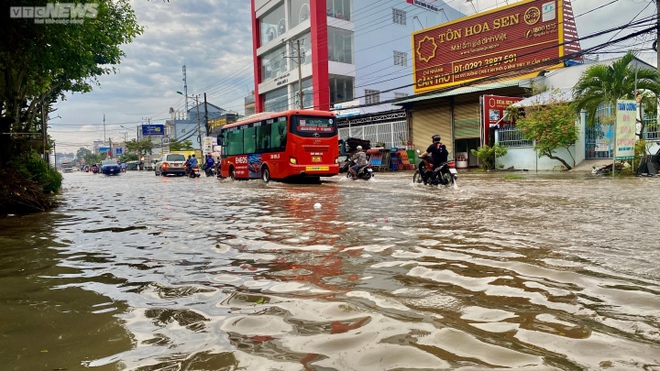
x=308, y=126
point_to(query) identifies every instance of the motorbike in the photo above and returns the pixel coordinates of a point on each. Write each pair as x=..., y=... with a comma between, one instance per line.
x=94, y=169
x=365, y=172
x=443, y=174
x=209, y=170
x=192, y=172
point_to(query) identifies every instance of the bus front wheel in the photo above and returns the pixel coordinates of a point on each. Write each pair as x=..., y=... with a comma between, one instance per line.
x=265, y=174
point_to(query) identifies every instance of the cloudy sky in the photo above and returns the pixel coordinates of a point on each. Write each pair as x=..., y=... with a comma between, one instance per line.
x=213, y=39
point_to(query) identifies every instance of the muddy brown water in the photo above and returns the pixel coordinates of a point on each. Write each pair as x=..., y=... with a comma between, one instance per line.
x=522, y=271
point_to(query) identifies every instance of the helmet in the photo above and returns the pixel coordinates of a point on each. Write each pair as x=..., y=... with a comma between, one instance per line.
x=193, y=155
x=359, y=148
x=436, y=137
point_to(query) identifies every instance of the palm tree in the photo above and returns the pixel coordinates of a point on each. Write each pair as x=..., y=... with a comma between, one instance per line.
x=601, y=85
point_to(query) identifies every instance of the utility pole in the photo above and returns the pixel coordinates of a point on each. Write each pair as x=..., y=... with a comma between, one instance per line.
x=104, y=128
x=199, y=128
x=206, y=116
x=185, y=88
x=657, y=34
x=300, y=89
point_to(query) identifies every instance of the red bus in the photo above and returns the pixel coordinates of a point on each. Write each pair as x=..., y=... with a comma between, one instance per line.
x=294, y=143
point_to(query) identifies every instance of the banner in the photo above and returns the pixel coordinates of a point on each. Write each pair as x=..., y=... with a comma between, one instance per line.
x=493, y=108
x=624, y=145
x=153, y=130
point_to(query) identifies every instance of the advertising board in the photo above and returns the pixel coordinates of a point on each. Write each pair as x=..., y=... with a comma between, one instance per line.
x=153, y=129
x=626, y=111
x=493, y=108
x=522, y=37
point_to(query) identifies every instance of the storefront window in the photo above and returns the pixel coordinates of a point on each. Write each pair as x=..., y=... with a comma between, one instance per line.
x=276, y=100
x=341, y=89
x=308, y=94
x=340, y=45
x=273, y=64
x=340, y=9
x=272, y=25
x=298, y=12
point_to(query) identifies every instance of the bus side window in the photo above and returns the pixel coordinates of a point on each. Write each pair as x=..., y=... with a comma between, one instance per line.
x=250, y=139
x=263, y=136
x=278, y=133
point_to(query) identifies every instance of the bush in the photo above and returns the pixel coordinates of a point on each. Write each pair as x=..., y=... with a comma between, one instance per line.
x=488, y=154
x=36, y=169
x=27, y=186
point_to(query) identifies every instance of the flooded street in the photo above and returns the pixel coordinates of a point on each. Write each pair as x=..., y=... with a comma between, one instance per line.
x=510, y=270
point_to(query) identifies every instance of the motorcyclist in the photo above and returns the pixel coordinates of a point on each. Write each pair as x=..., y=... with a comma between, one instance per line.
x=186, y=165
x=209, y=164
x=435, y=155
x=193, y=162
x=360, y=160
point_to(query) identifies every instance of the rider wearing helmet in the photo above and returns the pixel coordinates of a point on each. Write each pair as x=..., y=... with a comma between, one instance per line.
x=360, y=159
x=437, y=151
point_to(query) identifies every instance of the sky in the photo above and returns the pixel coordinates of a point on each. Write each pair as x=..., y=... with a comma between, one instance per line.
x=213, y=39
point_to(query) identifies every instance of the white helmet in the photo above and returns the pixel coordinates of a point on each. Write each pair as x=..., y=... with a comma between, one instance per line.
x=359, y=148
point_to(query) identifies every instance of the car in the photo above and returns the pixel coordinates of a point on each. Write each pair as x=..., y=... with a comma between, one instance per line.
x=110, y=167
x=132, y=165
x=67, y=167
x=171, y=164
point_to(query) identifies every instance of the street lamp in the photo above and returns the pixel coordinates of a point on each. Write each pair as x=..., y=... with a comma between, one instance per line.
x=199, y=127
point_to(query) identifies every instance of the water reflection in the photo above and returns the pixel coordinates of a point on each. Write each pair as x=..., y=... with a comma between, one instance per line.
x=544, y=272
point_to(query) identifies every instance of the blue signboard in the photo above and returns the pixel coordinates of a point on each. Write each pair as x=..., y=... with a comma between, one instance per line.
x=104, y=150
x=153, y=129
x=118, y=151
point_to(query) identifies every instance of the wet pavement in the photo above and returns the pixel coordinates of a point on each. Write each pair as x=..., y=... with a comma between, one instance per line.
x=509, y=270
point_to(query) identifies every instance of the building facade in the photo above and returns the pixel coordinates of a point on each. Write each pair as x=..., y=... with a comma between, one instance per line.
x=325, y=52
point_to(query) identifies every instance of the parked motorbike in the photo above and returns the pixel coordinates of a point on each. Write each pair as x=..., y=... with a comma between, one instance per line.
x=365, y=172
x=443, y=174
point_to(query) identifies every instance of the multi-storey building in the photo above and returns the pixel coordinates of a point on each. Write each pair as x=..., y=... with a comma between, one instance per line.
x=347, y=50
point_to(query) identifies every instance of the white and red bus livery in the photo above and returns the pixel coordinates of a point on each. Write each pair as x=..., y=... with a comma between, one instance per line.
x=294, y=143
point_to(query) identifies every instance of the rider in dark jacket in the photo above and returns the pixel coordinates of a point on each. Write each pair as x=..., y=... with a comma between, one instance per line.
x=438, y=154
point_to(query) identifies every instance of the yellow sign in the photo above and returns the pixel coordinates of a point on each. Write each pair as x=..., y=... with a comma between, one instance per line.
x=317, y=168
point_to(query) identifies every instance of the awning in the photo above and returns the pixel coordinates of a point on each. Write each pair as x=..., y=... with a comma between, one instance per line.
x=552, y=95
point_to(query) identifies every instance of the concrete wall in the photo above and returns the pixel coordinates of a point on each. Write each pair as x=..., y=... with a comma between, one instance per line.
x=526, y=157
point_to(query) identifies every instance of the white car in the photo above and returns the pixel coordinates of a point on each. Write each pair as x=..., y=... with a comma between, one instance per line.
x=171, y=164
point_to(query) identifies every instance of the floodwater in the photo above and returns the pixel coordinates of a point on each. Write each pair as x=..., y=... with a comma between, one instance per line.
x=509, y=270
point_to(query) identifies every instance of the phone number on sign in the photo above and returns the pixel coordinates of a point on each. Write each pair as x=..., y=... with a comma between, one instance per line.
x=486, y=62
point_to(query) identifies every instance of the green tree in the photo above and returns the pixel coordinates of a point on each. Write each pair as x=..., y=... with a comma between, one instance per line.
x=185, y=145
x=82, y=152
x=603, y=84
x=39, y=63
x=142, y=147
x=550, y=126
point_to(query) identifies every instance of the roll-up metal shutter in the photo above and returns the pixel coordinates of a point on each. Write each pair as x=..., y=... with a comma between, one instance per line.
x=467, y=123
x=431, y=119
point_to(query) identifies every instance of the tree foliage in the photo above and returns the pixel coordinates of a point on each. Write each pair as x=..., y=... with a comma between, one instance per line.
x=140, y=147
x=603, y=84
x=185, y=145
x=550, y=126
x=39, y=63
